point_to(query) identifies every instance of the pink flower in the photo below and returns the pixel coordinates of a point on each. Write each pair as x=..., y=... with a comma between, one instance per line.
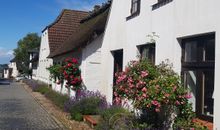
x=157, y=110
x=188, y=96
x=116, y=94
x=144, y=74
x=127, y=69
x=144, y=89
x=130, y=80
x=155, y=103
x=74, y=61
x=69, y=64
x=131, y=85
x=167, y=95
x=177, y=103
x=144, y=95
x=174, y=88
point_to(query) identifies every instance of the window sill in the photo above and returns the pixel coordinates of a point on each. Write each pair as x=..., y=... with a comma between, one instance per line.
x=132, y=16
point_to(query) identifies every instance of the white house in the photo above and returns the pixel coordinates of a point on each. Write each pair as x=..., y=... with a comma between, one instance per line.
x=53, y=36
x=86, y=46
x=6, y=73
x=13, y=66
x=189, y=32
x=33, y=62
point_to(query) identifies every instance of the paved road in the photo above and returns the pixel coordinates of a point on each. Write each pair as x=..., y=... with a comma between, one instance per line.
x=19, y=111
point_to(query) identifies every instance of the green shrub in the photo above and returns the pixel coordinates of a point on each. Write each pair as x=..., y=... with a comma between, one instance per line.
x=77, y=116
x=42, y=89
x=57, y=98
x=116, y=118
x=86, y=106
x=181, y=123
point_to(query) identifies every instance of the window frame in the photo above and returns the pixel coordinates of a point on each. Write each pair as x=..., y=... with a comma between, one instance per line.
x=200, y=66
x=151, y=54
x=137, y=12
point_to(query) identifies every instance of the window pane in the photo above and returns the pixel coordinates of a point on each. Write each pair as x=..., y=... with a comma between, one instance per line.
x=190, y=83
x=209, y=50
x=208, y=99
x=191, y=51
x=148, y=52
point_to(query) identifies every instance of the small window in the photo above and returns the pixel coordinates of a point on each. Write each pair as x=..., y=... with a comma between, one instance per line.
x=135, y=8
x=147, y=51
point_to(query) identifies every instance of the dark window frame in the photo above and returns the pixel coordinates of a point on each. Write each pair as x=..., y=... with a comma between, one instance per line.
x=160, y=3
x=200, y=66
x=138, y=8
x=151, y=53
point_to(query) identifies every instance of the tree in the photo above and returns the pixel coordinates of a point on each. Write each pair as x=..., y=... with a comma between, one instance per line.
x=30, y=41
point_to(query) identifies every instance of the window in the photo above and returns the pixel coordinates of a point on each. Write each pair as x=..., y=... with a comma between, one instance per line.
x=135, y=8
x=118, y=63
x=147, y=51
x=160, y=3
x=198, y=66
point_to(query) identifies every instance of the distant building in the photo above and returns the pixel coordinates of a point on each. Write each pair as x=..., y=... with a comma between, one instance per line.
x=33, y=62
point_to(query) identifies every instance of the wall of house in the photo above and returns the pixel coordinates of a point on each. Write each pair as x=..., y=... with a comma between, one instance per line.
x=173, y=21
x=15, y=72
x=6, y=73
x=91, y=64
x=44, y=62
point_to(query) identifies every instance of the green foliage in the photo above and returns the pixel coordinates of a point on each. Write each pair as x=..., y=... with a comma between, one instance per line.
x=181, y=123
x=77, y=116
x=115, y=118
x=56, y=72
x=108, y=113
x=57, y=98
x=30, y=41
x=42, y=89
x=86, y=106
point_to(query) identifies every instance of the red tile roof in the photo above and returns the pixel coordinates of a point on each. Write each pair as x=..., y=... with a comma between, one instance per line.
x=66, y=23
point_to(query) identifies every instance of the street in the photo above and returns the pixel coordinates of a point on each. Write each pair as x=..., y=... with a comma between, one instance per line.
x=19, y=110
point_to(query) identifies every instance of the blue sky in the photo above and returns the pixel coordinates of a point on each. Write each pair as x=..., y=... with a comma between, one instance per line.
x=19, y=17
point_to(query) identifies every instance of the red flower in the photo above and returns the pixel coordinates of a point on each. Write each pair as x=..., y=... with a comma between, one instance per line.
x=69, y=64
x=74, y=61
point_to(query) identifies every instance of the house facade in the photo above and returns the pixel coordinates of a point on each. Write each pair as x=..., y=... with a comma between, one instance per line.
x=189, y=32
x=53, y=36
x=13, y=71
x=33, y=63
x=86, y=46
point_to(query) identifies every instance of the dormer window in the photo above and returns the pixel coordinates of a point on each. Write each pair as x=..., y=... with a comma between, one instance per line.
x=135, y=8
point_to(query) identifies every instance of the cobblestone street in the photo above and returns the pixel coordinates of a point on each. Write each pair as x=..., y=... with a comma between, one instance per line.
x=19, y=110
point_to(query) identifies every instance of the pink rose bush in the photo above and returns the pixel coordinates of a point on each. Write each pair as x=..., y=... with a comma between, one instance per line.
x=151, y=88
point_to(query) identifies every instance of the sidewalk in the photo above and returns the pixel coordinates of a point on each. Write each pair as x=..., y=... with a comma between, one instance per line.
x=59, y=115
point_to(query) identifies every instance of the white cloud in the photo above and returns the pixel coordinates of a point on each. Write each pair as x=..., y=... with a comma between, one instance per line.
x=86, y=5
x=5, y=53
